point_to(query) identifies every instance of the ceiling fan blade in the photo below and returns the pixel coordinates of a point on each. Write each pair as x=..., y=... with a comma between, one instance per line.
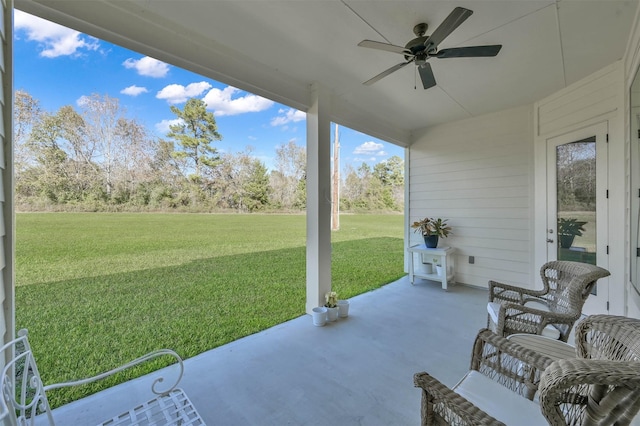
x=384, y=46
x=386, y=73
x=426, y=75
x=453, y=21
x=470, y=52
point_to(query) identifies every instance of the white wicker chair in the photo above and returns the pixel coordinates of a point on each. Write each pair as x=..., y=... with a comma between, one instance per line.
x=24, y=396
x=551, y=311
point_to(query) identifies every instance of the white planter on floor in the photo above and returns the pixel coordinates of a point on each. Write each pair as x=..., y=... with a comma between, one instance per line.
x=319, y=316
x=332, y=314
x=343, y=308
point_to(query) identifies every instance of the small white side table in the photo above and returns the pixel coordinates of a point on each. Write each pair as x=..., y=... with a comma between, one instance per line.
x=444, y=256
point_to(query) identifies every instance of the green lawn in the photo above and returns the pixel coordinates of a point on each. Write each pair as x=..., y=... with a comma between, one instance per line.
x=98, y=289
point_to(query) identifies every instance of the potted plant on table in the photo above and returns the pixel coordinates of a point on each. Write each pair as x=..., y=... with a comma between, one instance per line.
x=432, y=229
x=568, y=229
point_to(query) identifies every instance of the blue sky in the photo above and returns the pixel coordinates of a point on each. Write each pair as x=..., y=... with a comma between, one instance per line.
x=58, y=66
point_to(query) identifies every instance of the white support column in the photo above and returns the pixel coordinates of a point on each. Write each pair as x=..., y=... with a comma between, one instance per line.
x=318, y=198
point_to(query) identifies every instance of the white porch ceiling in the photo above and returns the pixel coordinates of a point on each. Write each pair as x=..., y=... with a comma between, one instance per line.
x=278, y=48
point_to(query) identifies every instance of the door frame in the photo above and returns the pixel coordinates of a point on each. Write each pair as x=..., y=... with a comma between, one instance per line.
x=599, y=303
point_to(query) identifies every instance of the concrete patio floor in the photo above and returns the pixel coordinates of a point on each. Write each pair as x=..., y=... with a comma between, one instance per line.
x=355, y=371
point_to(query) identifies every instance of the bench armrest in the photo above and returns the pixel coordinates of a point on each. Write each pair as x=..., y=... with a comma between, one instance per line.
x=151, y=355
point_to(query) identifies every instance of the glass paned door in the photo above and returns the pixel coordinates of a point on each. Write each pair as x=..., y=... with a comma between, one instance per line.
x=576, y=200
x=577, y=203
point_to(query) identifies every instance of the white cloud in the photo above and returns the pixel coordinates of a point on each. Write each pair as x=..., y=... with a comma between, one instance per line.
x=147, y=67
x=370, y=148
x=177, y=93
x=163, y=126
x=359, y=160
x=83, y=100
x=288, y=116
x=55, y=39
x=133, y=90
x=221, y=102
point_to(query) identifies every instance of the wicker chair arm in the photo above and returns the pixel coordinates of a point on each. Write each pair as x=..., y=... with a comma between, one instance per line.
x=595, y=392
x=515, y=318
x=442, y=405
x=548, y=317
x=511, y=293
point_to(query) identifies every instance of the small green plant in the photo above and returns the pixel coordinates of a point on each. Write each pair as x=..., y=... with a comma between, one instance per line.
x=430, y=226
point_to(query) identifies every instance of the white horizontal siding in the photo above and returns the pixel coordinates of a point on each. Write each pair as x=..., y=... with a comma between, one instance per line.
x=454, y=182
x=581, y=102
x=477, y=168
x=478, y=174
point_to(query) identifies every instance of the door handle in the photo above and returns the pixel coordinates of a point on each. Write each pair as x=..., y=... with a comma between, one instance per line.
x=549, y=240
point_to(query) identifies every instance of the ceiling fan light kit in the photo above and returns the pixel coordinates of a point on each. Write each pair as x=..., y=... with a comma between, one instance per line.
x=423, y=47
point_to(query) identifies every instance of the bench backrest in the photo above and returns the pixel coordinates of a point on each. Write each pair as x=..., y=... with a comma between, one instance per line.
x=23, y=394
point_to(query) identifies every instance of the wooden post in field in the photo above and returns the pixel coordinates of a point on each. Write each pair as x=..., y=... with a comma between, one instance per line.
x=335, y=193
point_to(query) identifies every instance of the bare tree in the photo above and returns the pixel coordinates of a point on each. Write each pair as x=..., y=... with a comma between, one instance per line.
x=85, y=173
x=133, y=154
x=26, y=114
x=101, y=115
x=285, y=181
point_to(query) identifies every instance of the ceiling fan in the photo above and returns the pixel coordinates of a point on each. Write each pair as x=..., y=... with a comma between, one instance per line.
x=424, y=47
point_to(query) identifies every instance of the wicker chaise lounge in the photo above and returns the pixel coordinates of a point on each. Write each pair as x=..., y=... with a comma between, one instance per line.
x=551, y=311
x=600, y=386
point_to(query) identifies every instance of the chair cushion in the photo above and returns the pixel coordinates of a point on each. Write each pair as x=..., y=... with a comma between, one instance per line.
x=498, y=401
x=493, y=308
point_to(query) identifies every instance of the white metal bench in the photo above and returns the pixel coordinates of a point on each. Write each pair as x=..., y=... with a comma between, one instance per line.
x=24, y=397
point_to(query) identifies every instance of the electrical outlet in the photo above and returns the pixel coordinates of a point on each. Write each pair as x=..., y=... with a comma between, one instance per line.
x=472, y=260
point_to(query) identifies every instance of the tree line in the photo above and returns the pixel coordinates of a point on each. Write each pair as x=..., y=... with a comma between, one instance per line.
x=96, y=158
x=576, y=176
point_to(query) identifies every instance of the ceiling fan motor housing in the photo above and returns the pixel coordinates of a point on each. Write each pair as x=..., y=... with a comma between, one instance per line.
x=416, y=46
